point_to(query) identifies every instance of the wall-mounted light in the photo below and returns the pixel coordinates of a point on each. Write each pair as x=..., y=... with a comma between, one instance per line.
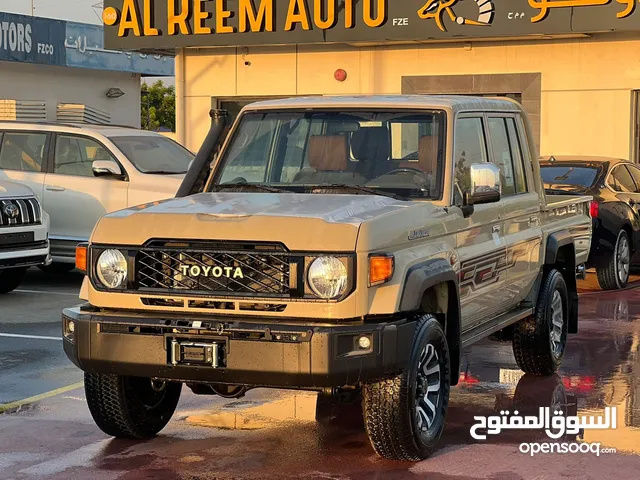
x=114, y=93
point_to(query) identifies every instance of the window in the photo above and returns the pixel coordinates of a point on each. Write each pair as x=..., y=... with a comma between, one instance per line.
x=401, y=152
x=563, y=175
x=635, y=173
x=246, y=160
x=469, y=148
x=621, y=180
x=518, y=157
x=75, y=155
x=502, y=156
x=22, y=151
x=154, y=153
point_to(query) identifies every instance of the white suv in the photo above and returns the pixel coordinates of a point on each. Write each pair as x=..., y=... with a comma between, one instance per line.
x=23, y=234
x=81, y=172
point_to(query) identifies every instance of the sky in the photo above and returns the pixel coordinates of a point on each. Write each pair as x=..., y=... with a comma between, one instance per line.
x=75, y=10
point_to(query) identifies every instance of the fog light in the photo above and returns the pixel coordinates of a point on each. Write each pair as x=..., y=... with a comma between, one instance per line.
x=71, y=326
x=364, y=343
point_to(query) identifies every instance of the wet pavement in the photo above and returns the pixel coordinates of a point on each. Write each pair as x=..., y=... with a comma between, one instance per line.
x=56, y=438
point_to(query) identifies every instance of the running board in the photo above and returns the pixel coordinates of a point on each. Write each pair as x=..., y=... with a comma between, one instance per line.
x=476, y=334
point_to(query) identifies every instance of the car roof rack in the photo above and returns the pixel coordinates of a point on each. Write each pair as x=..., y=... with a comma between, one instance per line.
x=72, y=124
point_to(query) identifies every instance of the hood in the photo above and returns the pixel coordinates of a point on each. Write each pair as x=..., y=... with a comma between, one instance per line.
x=13, y=189
x=325, y=222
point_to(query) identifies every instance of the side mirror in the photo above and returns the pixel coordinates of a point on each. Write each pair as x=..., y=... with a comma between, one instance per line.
x=486, y=186
x=105, y=167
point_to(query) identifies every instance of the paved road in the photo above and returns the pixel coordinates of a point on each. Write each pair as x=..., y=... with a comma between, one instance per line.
x=31, y=353
x=56, y=438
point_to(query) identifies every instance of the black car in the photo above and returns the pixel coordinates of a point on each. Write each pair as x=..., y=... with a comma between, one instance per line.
x=615, y=187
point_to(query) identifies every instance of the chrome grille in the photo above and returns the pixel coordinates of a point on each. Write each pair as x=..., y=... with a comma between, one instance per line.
x=29, y=212
x=251, y=270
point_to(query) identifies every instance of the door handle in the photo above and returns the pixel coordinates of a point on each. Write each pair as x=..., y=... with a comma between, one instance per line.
x=496, y=229
x=54, y=188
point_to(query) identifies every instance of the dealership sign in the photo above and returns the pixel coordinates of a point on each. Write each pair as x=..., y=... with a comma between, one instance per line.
x=162, y=24
x=32, y=40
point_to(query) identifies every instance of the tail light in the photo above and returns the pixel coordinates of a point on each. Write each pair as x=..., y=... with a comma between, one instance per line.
x=594, y=209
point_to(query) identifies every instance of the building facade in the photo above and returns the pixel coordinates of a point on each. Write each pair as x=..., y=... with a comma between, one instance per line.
x=575, y=66
x=54, y=70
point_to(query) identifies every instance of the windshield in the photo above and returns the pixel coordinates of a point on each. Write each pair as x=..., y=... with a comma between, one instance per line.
x=573, y=175
x=393, y=152
x=154, y=154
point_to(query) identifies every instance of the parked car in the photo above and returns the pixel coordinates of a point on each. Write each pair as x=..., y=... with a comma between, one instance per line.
x=337, y=268
x=24, y=228
x=615, y=209
x=81, y=172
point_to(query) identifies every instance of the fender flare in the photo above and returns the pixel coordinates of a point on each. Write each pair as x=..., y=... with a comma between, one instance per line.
x=555, y=242
x=418, y=279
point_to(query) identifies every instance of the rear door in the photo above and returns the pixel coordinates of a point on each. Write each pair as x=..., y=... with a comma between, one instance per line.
x=75, y=198
x=521, y=224
x=21, y=158
x=480, y=241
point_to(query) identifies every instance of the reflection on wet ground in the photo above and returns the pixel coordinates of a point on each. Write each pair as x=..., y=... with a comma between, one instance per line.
x=57, y=439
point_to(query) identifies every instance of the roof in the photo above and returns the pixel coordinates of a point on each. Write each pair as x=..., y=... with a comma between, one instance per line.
x=105, y=130
x=580, y=159
x=446, y=102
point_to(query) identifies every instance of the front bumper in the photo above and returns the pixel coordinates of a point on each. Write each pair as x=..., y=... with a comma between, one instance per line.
x=257, y=352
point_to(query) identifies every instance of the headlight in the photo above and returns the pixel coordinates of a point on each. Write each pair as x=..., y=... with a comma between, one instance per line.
x=327, y=277
x=111, y=268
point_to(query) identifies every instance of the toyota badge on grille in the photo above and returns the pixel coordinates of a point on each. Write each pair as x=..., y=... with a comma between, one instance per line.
x=11, y=211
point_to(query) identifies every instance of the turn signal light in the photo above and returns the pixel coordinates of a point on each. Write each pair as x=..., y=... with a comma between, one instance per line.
x=380, y=269
x=81, y=257
x=594, y=209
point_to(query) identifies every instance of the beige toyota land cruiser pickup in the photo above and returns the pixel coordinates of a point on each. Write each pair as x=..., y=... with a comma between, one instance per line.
x=336, y=244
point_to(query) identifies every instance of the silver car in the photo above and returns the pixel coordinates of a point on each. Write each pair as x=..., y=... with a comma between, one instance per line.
x=81, y=172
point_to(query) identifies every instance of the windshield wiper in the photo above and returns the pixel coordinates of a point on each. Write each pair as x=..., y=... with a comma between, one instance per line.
x=163, y=172
x=246, y=187
x=357, y=188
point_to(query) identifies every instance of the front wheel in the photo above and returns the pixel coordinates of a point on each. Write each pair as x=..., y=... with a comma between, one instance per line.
x=539, y=341
x=615, y=273
x=11, y=278
x=405, y=415
x=130, y=407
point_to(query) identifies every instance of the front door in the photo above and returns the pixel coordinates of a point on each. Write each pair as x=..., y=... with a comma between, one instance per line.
x=480, y=240
x=522, y=230
x=74, y=198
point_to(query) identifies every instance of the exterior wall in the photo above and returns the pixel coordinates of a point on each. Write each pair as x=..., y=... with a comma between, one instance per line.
x=53, y=85
x=586, y=83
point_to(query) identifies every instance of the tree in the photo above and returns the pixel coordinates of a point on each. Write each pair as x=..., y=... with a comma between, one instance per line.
x=158, y=106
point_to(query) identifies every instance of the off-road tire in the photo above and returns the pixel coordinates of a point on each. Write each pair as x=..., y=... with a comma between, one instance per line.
x=57, y=268
x=389, y=406
x=118, y=407
x=10, y=279
x=610, y=276
x=532, y=346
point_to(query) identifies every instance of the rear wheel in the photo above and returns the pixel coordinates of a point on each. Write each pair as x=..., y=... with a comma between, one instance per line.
x=539, y=341
x=405, y=415
x=11, y=278
x=130, y=407
x=615, y=274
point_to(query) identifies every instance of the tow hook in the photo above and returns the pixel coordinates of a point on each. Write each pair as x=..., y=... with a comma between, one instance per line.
x=581, y=272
